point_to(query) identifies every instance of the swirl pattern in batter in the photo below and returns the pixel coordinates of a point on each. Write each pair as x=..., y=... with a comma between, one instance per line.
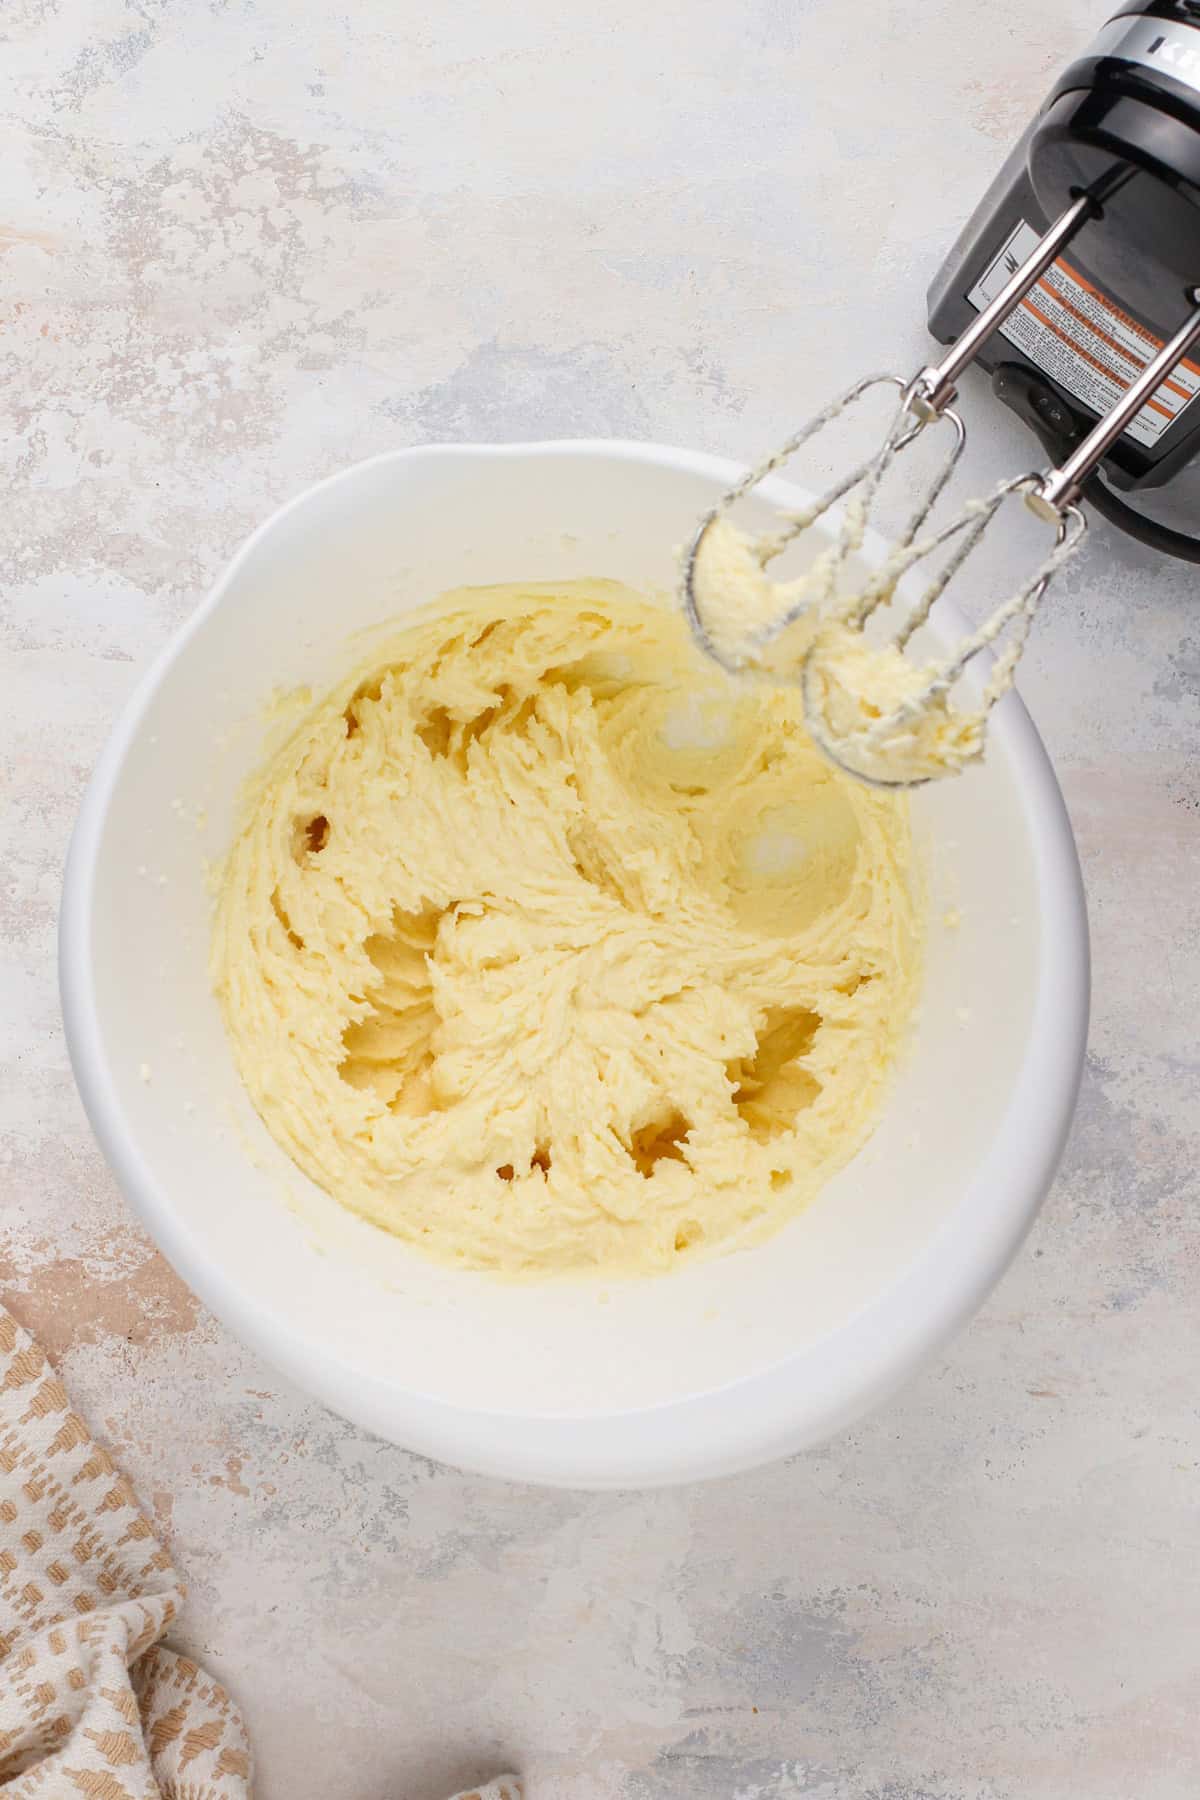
x=549, y=950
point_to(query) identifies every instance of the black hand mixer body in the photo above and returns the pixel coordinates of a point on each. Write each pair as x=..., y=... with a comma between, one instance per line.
x=1077, y=284
x=1123, y=126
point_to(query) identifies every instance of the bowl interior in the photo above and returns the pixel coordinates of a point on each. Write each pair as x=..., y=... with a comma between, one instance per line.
x=432, y=1357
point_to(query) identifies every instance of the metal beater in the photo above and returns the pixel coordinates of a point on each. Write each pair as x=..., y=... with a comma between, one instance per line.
x=926, y=399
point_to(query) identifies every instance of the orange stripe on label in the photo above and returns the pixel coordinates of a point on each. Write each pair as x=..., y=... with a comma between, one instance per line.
x=1114, y=345
x=1138, y=330
x=1095, y=363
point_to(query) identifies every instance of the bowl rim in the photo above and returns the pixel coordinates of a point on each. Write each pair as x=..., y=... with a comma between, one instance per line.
x=753, y=1418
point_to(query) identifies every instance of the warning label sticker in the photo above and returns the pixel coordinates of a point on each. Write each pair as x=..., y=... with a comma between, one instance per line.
x=1076, y=334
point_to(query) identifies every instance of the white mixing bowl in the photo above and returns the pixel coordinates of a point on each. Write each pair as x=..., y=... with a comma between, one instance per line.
x=598, y=1384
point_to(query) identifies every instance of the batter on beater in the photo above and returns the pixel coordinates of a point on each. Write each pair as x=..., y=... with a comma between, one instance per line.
x=544, y=948
x=878, y=713
x=874, y=710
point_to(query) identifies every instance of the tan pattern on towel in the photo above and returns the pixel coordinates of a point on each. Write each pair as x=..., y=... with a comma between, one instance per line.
x=91, y=1703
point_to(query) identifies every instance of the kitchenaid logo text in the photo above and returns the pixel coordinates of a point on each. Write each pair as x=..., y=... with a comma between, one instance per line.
x=1171, y=51
x=1151, y=42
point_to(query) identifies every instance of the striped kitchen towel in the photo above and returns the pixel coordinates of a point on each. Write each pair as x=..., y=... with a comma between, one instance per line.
x=91, y=1702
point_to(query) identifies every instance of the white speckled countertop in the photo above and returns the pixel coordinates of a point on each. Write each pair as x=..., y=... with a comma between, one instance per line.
x=245, y=241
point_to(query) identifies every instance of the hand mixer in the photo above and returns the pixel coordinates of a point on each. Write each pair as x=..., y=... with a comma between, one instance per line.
x=1110, y=167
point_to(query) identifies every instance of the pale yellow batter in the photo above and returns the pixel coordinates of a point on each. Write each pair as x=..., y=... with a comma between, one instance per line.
x=882, y=714
x=549, y=949
x=871, y=706
x=738, y=602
